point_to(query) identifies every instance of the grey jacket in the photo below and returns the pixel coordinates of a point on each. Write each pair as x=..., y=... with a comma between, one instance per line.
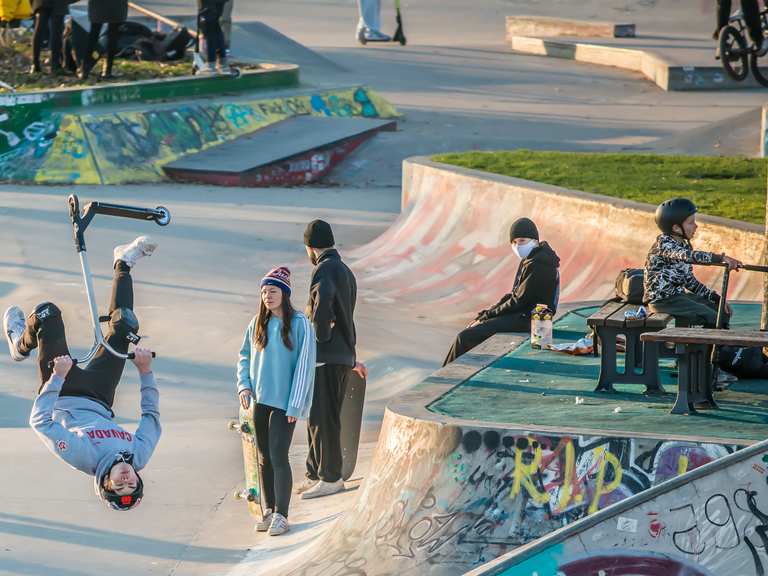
x=81, y=431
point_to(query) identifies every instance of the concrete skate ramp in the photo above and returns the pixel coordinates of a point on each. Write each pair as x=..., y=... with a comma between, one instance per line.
x=449, y=250
x=445, y=495
x=710, y=521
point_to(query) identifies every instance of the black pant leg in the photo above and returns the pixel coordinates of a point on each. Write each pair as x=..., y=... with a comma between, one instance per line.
x=56, y=40
x=93, y=40
x=266, y=473
x=324, y=460
x=42, y=19
x=471, y=337
x=723, y=12
x=280, y=437
x=752, y=18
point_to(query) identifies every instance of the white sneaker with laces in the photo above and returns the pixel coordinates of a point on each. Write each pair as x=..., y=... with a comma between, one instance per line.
x=130, y=253
x=13, y=328
x=266, y=519
x=323, y=489
x=306, y=485
x=279, y=525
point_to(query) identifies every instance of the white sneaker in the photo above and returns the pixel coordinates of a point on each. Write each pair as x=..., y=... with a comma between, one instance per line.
x=207, y=69
x=266, y=519
x=279, y=525
x=723, y=376
x=306, y=485
x=130, y=253
x=222, y=66
x=13, y=328
x=323, y=489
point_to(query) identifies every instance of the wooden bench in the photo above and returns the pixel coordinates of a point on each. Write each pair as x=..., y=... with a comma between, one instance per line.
x=641, y=361
x=693, y=348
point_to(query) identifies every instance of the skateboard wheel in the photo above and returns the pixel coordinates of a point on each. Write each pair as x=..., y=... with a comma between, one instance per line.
x=238, y=495
x=236, y=72
x=234, y=426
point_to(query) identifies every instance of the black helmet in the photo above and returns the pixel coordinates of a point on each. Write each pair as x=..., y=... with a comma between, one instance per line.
x=674, y=212
x=121, y=502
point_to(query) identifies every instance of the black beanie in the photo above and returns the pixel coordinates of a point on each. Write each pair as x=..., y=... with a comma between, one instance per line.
x=523, y=228
x=318, y=234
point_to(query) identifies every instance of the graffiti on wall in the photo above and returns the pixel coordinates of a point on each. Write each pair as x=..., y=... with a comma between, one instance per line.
x=491, y=492
x=132, y=146
x=717, y=524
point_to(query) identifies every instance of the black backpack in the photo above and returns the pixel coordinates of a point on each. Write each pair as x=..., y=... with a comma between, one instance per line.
x=629, y=286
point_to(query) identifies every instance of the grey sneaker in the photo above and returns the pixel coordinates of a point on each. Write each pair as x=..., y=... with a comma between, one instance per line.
x=323, y=489
x=266, y=519
x=130, y=253
x=13, y=327
x=306, y=485
x=207, y=69
x=279, y=525
x=376, y=36
x=763, y=48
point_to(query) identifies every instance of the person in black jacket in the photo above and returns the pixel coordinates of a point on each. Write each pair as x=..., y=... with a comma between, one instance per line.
x=537, y=282
x=100, y=12
x=331, y=309
x=49, y=18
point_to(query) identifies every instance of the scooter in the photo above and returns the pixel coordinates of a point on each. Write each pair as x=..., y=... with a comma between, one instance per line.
x=80, y=222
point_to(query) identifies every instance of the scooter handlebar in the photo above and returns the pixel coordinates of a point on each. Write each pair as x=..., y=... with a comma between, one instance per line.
x=129, y=356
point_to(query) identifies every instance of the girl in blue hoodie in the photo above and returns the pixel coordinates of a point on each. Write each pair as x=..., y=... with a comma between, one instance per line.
x=275, y=375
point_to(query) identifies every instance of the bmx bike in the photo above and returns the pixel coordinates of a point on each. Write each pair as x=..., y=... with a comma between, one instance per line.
x=737, y=54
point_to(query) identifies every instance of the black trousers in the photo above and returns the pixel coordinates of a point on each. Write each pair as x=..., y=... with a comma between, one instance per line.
x=210, y=16
x=273, y=440
x=751, y=11
x=113, y=34
x=48, y=23
x=99, y=379
x=471, y=337
x=324, y=427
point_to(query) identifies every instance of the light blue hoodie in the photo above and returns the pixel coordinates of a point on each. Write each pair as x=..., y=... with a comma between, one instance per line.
x=81, y=431
x=277, y=376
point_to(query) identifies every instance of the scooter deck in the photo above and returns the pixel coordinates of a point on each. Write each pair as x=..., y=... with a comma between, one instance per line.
x=351, y=422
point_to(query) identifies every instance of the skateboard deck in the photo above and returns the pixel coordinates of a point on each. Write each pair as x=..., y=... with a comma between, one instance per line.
x=252, y=492
x=351, y=421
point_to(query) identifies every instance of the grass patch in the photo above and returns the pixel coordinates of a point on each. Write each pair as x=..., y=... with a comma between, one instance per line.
x=16, y=60
x=728, y=187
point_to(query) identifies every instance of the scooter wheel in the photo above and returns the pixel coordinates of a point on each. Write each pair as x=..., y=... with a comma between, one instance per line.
x=165, y=216
x=236, y=73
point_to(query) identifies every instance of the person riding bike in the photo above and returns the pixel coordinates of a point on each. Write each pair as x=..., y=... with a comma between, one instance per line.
x=751, y=12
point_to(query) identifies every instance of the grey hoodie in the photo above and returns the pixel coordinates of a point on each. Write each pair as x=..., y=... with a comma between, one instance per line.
x=81, y=431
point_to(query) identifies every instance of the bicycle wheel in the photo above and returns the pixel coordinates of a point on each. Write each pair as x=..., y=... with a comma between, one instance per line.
x=733, y=53
x=759, y=68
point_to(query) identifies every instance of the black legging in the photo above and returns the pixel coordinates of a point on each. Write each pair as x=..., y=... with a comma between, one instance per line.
x=99, y=379
x=113, y=34
x=471, y=337
x=273, y=440
x=52, y=24
x=751, y=17
x=210, y=22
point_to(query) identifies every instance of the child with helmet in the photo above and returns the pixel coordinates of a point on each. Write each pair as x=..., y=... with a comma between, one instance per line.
x=670, y=285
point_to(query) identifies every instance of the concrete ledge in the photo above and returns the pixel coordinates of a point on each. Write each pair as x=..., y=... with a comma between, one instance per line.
x=270, y=77
x=764, y=132
x=544, y=26
x=666, y=75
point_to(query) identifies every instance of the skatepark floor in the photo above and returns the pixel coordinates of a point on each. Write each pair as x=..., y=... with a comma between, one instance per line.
x=530, y=387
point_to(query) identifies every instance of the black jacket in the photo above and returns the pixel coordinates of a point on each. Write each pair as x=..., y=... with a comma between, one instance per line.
x=537, y=282
x=107, y=11
x=332, y=297
x=60, y=7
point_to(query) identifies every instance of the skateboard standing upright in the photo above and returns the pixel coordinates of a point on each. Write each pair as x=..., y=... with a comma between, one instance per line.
x=351, y=421
x=252, y=492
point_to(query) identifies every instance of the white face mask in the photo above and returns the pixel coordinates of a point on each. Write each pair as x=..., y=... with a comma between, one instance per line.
x=524, y=250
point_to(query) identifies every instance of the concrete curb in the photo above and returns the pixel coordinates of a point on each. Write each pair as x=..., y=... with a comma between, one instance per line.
x=538, y=26
x=764, y=132
x=665, y=74
x=275, y=76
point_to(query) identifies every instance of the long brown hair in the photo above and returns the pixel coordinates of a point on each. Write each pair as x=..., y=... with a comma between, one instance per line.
x=260, y=334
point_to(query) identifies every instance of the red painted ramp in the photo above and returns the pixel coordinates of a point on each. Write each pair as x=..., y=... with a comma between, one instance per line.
x=292, y=152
